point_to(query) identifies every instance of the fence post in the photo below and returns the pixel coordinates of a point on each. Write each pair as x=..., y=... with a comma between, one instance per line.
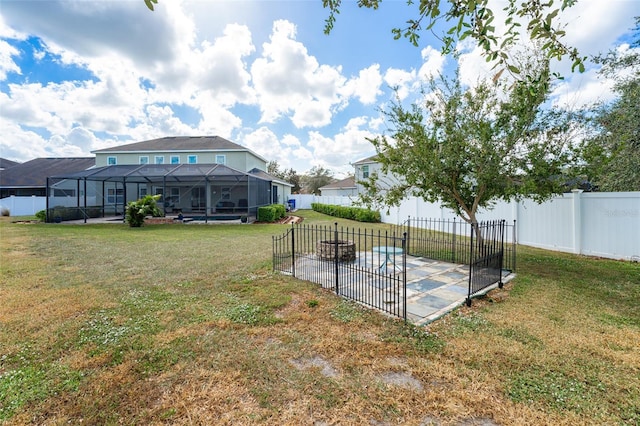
x=502, y=226
x=404, y=276
x=407, y=233
x=470, y=266
x=453, y=243
x=513, y=248
x=577, y=221
x=335, y=247
x=293, y=251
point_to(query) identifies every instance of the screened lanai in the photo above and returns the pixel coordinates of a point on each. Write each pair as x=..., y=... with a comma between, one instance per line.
x=202, y=191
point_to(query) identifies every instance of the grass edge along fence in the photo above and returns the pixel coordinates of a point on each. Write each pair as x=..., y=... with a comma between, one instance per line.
x=347, y=212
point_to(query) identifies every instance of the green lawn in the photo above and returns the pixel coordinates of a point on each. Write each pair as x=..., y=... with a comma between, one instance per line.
x=187, y=324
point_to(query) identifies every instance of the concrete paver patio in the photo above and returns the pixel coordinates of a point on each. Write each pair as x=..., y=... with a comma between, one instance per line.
x=434, y=287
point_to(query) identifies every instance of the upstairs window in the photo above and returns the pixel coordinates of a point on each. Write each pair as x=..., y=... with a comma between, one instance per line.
x=221, y=159
x=144, y=159
x=365, y=172
x=175, y=159
x=159, y=159
x=192, y=159
x=112, y=161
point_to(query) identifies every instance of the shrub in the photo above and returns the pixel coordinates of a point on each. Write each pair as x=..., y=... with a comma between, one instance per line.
x=266, y=214
x=42, y=215
x=138, y=210
x=271, y=213
x=280, y=209
x=352, y=213
x=4, y=211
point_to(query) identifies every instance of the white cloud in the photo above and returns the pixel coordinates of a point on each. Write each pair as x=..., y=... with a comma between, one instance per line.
x=286, y=152
x=433, y=63
x=221, y=68
x=143, y=64
x=401, y=80
x=216, y=119
x=287, y=79
x=340, y=150
x=7, y=64
x=366, y=87
x=94, y=29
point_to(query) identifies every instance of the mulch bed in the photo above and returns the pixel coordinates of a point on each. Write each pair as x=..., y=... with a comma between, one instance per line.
x=287, y=220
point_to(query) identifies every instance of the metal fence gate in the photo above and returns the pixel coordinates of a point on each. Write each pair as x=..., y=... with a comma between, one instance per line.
x=486, y=256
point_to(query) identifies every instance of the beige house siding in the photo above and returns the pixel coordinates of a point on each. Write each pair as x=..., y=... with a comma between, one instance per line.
x=239, y=160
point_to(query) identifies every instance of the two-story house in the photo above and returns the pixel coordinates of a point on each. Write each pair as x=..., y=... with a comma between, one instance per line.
x=206, y=176
x=368, y=167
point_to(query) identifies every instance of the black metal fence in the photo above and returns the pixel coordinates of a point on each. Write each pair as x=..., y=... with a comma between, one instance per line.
x=370, y=266
x=450, y=240
x=486, y=256
x=366, y=266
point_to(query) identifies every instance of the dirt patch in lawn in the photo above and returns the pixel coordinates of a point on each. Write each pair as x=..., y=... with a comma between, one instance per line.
x=325, y=367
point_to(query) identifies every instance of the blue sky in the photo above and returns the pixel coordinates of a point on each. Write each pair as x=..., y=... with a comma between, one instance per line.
x=76, y=76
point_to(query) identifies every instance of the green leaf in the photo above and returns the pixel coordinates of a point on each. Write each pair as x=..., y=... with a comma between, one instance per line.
x=150, y=3
x=514, y=69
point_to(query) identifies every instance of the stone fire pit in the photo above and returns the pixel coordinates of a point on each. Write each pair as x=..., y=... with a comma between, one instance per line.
x=325, y=250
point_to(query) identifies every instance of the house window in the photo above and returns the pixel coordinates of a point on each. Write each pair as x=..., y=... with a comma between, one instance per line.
x=175, y=159
x=142, y=192
x=158, y=190
x=115, y=195
x=112, y=161
x=159, y=159
x=192, y=159
x=365, y=172
x=221, y=159
x=226, y=193
x=175, y=194
x=143, y=159
x=64, y=192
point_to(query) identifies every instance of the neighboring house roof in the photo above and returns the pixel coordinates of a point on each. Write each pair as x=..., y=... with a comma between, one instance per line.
x=368, y=160
x=5, y=164
x=34, y=173
x=267, y=176
x=348, y=183
x=178, y=144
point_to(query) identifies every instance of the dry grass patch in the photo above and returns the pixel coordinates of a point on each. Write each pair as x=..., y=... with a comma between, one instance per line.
x=188, y=325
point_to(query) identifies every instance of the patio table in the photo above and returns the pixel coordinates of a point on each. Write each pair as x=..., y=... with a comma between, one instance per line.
x=388, y=251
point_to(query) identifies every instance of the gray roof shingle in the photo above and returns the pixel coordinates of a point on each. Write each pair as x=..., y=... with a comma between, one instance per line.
x=34, y=173
x=178, y=143
x=349, y=182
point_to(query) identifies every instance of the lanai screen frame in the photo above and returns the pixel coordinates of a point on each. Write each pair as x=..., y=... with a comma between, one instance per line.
x=258, y=189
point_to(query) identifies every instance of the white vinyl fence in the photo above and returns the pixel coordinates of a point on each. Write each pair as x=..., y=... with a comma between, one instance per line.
x=303, y=201
x=23, y=206
x=605, y=224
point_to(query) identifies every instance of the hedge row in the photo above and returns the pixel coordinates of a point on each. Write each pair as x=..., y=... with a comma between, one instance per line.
x=71, y=213
x=353, y=213
x=271, y=213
